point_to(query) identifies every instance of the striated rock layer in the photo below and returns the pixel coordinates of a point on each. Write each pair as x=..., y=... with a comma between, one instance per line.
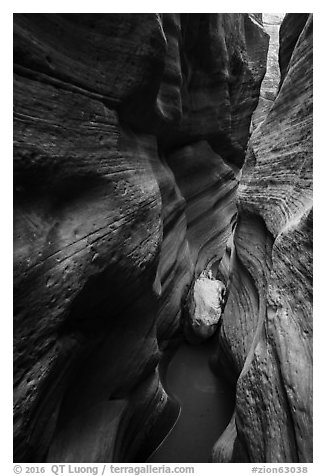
x=270, y=84
x=129, y=131
x=266, y=334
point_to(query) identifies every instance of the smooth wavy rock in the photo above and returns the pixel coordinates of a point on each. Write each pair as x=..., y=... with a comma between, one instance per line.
x=128, y=133
x=267, y=325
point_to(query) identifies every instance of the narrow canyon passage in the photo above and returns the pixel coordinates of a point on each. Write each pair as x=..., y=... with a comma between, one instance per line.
x=152, y=153
x=207, y=404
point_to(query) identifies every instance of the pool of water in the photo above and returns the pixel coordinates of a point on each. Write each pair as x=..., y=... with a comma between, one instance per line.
x=207, y=404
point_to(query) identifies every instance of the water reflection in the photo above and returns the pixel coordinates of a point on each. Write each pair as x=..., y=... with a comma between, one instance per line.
x=206, y=407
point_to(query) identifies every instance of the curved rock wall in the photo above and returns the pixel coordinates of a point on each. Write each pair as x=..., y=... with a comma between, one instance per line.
x=267, y=326
x=129, y=131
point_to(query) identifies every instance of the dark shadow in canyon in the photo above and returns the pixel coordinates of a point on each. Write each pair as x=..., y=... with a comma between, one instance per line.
x=206, y=401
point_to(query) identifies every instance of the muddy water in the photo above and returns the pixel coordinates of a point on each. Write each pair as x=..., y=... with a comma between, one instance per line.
x=206, y=407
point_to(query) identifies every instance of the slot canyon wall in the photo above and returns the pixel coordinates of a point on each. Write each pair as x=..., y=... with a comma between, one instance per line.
x=266, y=335
x=130, y=133
x=270, y=83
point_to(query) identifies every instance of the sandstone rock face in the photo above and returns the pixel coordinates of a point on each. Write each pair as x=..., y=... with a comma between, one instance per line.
x=129, y=131
x=290, y=31
x=267, y=327
x=204, y=308
x=270, y=84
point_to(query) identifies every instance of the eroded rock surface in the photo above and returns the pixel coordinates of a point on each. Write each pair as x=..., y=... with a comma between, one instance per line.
x=129, y=131
x=204, y=308
x=270, y=85
x=266, y=333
